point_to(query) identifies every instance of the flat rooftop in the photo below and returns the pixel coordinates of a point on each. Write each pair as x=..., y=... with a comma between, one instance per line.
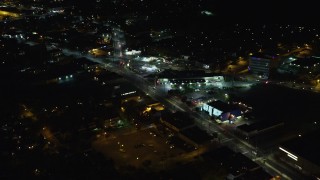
x=173, y=74
x=197, y=135
x=178, y=119
x=222, y=106
x=305, y=146
x=263, y=56
x=258, y=126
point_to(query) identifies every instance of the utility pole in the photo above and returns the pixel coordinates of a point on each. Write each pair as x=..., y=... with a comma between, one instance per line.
x=233, y=75
x=155, y=81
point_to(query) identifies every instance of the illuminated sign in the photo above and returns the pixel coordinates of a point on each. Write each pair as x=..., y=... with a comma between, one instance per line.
x=289, y=154
x=132, y=92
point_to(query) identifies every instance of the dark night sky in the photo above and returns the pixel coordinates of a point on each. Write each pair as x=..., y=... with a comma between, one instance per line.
x=267, y=10
x=274, y=11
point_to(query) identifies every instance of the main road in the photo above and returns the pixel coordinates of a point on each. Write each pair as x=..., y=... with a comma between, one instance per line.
x=271, y=165
x=267, y=162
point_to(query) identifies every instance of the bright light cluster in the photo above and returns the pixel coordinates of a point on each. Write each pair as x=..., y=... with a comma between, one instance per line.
x=289, y=154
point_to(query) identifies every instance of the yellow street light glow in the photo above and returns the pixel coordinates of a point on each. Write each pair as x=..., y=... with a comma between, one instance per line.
x=6, y=13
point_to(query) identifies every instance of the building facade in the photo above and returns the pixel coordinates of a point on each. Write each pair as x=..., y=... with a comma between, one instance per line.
x=259, y=65
x=221, y=110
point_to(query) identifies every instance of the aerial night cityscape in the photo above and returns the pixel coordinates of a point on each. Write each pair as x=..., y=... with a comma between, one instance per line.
x=159, y=89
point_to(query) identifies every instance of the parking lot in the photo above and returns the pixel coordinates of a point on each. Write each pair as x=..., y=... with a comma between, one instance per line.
x=138, y=148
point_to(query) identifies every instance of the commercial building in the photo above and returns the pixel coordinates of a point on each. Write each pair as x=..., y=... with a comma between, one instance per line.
x=249, y=130
x=236, y=165
x=302, y=153
x=185, y=128
x=186, y=77
x=195, y=136
x=221, y=110
x=260, y=64
x=177, y=121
